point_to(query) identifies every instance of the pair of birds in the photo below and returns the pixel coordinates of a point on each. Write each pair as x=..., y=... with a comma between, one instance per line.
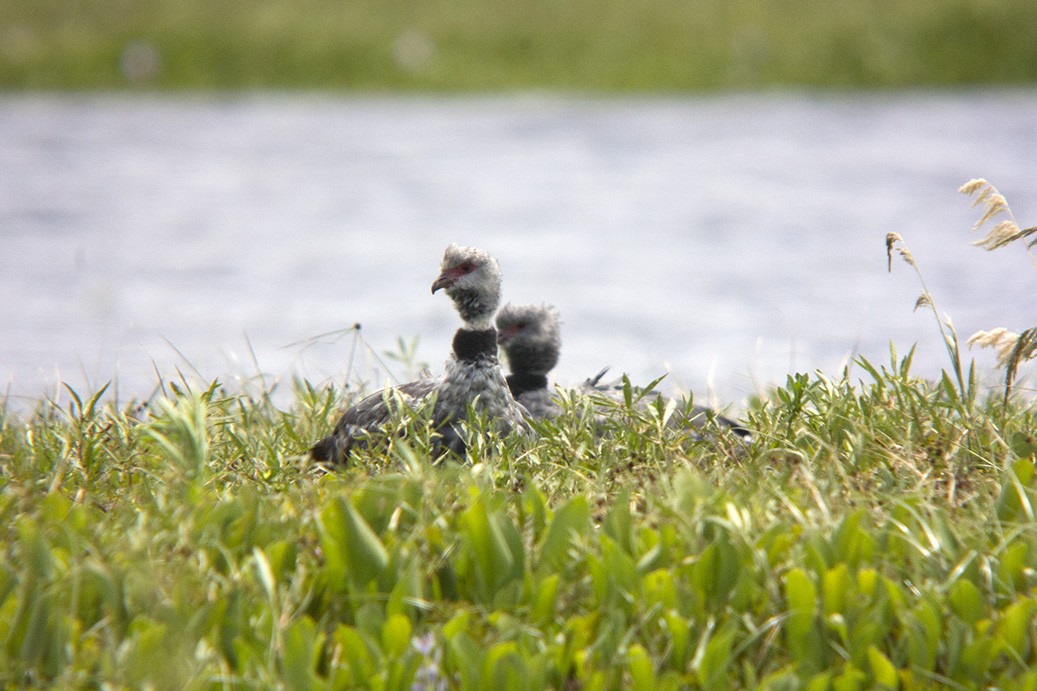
x=531, y=341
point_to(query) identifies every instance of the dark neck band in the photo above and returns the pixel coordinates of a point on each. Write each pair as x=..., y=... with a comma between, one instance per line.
x=472, y=345
x=520, y=383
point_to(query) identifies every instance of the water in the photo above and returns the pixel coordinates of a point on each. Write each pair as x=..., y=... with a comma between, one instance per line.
x=727, y=240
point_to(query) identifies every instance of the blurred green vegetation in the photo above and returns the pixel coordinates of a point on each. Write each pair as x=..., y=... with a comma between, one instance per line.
x=593, y=45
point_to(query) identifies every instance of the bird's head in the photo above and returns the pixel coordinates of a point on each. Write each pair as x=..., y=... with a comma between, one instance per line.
x=472, y=279
x=530, y=337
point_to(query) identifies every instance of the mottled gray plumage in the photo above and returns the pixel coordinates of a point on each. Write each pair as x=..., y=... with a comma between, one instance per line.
x=473, y=376
x=531, y=339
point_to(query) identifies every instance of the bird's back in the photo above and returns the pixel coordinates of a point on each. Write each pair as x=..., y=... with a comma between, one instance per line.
x=370, y=414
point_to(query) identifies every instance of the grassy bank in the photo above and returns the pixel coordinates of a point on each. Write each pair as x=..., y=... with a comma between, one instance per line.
x=566, y=44
x=879, y=530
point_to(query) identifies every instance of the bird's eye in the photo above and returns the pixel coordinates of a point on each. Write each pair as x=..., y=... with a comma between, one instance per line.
x=466, y=268
x=521, y=325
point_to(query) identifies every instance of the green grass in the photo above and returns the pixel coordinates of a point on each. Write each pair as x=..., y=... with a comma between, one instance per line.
x=594, y=45
x=879, y=530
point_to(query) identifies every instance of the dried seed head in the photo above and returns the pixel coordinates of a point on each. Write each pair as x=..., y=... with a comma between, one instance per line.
x=1005, y=232
x=995, y=204
x=891, y=240
x=1000, y=339
x=908, y=257
x=978, y=187
x=923, y=301
x=970, y=187
x=1000, y=235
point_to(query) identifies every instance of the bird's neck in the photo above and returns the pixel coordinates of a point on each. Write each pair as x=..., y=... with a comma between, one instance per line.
x=521, y=382
x=475, y=344
x=479, y=324
x=475, y=307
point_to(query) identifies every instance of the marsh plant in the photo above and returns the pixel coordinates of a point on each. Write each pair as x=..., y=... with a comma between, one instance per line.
x=1012, y=348
x=876, y=531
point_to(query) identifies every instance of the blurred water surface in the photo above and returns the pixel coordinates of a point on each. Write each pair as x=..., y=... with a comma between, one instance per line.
x=727, y=240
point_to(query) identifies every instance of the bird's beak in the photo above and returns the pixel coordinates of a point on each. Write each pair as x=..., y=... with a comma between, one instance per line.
x=505, y=334
x=445, y=280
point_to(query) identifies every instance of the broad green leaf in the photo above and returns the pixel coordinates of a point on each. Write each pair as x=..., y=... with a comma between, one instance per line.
x=355, y=653
x=868, y=581
x=396, y=635
x=302, y=648
x=670, y=681
x=658, y=589
x=851, y=542
x=801, y=632
x=150, y=659
x=544, y=600
x=835, y=589
x=640, y=666
x=717, y=570
x=570, y=521
x=370, y=619
x=729, y=569
x=534, y=509
x=407, y=595
x=281, y=556
x=882, y=670
x=967, y=601
x=977, y=657
x=504, y=669
x=653, y=555
x=801, y=596
x=1013, y=566
x=489, y=547
x=596, y=682
x=851, y=679
x=716, y=661
x=679, y=631
x=1014, y=627
x=37, y=629
x=702, y=576
x=924, y=632
x=457, y=624
x=619, y=567
x=37, y=551
x=352, y=548
x=510, y=582
x=468, y=657
x=821, y=681
x=618, y=524
x=1016, y=503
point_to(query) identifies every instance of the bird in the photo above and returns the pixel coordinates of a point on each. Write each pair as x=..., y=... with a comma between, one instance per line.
x=531, y=340
x=473, y=376
x=530, y=337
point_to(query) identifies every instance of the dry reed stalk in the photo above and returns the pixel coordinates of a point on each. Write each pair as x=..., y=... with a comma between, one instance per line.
x=1012, y=348
x=895, y=242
